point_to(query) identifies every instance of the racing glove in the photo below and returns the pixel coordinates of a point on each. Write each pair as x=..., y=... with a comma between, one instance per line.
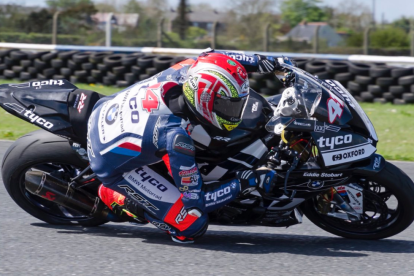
x=263, y=180
x=267, y=65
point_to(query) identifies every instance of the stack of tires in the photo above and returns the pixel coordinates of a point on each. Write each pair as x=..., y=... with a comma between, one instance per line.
x=83, y=67
x=368, y=82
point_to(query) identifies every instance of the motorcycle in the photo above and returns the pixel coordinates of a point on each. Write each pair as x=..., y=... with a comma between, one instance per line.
x=315, y=135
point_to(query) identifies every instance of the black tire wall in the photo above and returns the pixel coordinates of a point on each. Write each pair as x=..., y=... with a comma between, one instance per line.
x=368, y=82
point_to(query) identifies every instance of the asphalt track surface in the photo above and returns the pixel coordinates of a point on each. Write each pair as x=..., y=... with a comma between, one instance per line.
x=31, y=247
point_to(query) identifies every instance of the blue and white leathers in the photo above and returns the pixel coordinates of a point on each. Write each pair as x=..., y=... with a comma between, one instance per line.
x=135, y=128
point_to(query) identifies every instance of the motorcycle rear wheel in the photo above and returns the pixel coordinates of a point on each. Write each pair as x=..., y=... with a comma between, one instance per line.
x=44, y=151
x=390, y=182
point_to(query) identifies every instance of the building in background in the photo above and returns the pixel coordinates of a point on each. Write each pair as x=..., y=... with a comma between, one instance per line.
x=119, y=20
x=203, y=19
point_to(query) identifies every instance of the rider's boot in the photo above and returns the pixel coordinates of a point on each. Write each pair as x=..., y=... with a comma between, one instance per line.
x=120, y=205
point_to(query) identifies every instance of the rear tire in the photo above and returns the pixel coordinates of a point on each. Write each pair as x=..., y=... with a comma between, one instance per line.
x=394, y=180
x=35, y=149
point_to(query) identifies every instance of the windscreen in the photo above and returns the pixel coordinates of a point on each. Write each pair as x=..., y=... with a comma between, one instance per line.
x=301, y=100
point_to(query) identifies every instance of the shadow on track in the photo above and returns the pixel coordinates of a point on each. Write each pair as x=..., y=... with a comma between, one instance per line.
x=249, y=243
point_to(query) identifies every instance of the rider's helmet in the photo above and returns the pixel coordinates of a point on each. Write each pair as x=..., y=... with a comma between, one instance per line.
x=216, y=90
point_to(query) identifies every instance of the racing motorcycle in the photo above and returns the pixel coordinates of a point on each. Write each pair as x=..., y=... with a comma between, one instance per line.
x=315, y=135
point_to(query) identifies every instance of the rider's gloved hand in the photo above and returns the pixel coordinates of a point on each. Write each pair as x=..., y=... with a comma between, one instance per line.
x=267, y=65
x=262, y=180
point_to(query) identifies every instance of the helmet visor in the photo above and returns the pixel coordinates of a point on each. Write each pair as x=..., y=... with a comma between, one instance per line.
x=230, y=109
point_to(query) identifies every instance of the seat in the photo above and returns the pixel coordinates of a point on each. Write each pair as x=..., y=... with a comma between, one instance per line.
x=80, y=106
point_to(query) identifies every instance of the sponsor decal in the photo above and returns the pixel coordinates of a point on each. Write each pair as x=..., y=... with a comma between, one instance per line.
x=181, y=216
x=190, y=180
x=51, y=196
x=141, y=200
x=315, y=184
x=218, y=196
x=112, y=114
x=230, y=127
x=20, y=85
x=301, y=124
x=155, y=132
x=241, y=57
x=322, y=128
x=335, y=109
x=242, y=74
x=184, y=146
x=341, y=190
x=255, y=106
x=190, y=195
x=205, y=97
x=146, y=178
x=229, y=61
x=348, y=154
x=340, y=91
x=315, y=174
x=334, y=141
x=15, y=107
x=183, y=189
x=188, y=171
x=377, y=163
x=225, y=139
x=39, y=84
x=133, y=106
x=161, y=225
x=38, y=120
x=356, y=187
x=193, y=82
x=81, y=104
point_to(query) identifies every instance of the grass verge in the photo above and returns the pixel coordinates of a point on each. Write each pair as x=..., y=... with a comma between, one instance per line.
x=394, y=125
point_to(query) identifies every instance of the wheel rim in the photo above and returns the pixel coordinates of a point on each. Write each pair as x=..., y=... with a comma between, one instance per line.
x=50, y=208
x=381, y=209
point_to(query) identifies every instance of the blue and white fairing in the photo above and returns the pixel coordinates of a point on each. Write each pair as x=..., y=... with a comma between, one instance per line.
x=341, y=130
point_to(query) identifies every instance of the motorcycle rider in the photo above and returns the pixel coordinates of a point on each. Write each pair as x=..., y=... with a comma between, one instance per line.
x=154, y=121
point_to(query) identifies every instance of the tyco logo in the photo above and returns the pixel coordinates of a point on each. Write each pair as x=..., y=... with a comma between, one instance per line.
x=334, y=141
x=38, y=120
x=220, y=193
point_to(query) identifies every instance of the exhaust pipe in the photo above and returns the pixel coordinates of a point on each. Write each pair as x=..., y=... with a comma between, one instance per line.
x=58, y=191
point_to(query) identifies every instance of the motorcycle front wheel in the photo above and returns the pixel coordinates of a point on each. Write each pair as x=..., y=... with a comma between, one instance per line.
x=388, y=207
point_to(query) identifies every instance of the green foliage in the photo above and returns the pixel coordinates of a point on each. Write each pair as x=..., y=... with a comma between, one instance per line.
x=389, y=37
x=37, y=22
x=402, y=23
x=355, y=40
x=181, y=22
x=195, y=33
x=295, y=11
x=41, y=38
x=67, y=4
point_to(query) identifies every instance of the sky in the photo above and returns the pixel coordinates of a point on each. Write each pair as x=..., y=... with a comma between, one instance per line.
x=391, y=9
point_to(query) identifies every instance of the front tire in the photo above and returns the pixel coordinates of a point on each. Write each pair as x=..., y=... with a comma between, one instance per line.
x=41, y=150
x=393, y=182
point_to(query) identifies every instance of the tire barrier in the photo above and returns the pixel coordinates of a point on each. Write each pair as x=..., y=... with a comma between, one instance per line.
x=367, y=82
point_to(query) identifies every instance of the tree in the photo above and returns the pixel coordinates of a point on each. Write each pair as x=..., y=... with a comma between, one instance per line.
x=181, y=22
x=245, y=23
x=350, y=16
x=389, y=37
x=402, y=23
x=295, y=11
x=37, y=22
x=67, y=4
